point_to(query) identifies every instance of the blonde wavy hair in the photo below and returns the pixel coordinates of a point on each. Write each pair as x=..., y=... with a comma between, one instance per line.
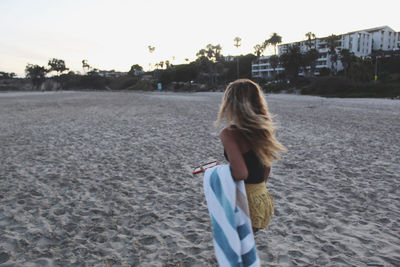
x=246, y=110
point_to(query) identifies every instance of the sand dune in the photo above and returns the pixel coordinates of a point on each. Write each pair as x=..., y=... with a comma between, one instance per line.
x=103, y=178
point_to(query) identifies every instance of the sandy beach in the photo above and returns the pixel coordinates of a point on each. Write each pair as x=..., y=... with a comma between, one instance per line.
x=104, y=179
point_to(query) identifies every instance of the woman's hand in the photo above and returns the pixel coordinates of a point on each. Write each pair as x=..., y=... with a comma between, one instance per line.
x=201, y=168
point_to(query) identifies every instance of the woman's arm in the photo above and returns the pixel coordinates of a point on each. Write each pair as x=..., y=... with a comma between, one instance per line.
x=238, y=166
x=266, y=174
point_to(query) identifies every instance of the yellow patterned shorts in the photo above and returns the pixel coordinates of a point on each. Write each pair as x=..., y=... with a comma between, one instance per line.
x=261, y=205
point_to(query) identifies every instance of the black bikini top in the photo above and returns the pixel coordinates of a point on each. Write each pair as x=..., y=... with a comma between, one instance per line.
x=255, y=168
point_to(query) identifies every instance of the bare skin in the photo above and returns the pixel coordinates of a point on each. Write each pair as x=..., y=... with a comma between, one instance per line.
x=235, y=146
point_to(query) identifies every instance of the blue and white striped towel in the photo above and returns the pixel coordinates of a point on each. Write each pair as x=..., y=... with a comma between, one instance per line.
x=234, y=243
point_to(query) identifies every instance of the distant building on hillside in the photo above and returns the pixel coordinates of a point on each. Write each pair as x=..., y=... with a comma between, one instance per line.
x=111, y=73
x=362, y=43
x=229, y=58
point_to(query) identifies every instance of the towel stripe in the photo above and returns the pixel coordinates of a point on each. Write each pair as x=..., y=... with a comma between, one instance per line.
x=223, y=243
x=250, y=257
x=243, y=231
x=216, y=186
x=231, y=225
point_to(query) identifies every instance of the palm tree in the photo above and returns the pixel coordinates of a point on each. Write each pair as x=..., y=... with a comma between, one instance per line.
x=310, y=59
x=292, y=60
x=212, y=54
x=274, y=40
x=258, y=51
x=347, y=58
x=237, y=44
x=85, y=65
x=332, y=43
x=36, y=73
x=310, y=36
x=274, y=62
x=151, y=50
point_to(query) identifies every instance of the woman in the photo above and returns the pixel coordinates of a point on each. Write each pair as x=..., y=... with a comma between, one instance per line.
x=250, y=145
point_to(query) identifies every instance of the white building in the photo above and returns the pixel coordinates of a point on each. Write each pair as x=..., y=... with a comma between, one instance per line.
x=111, y=73
x=362, y=43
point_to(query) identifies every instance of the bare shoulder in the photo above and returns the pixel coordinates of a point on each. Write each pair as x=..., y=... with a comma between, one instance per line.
x=231, y=136
x=227, y=134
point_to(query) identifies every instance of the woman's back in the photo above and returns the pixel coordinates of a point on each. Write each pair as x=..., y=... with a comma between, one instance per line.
x=256, y=170
x=250, y=145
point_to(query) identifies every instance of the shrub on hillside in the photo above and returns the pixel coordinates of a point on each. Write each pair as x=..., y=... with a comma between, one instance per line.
x=324, y=72
x=143, y=85
x=390, y=89
x=275, y=87
x=300, y=81
x=123, y=82
x=329, y=85
x=74, y=81
x=50, y=85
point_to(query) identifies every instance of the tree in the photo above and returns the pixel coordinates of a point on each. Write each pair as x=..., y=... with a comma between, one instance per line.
x=274, y=40
x=274, y=62
x=57, y=65
x=36, y=73
x=212, y=54
x=6, y=75
x=258, y=51
x=310, y=38
x=362, y=70
x=347, y=58
x=135, y=70
x=237, y=44
x=85, y=66
x=151, y=51
x=310, y=59
x=292, y=60
x=332, y=42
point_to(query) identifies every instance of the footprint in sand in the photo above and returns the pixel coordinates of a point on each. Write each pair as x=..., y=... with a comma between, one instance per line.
x=192, y=237
x=98, y=238
x=59, y=212
x=148, y=219
x=4, y=257
x=149, y=240
x=70, y=227
x=35, y=193
x=297, y=238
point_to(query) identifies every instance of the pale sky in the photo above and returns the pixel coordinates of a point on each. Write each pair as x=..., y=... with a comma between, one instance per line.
x=115, y=34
